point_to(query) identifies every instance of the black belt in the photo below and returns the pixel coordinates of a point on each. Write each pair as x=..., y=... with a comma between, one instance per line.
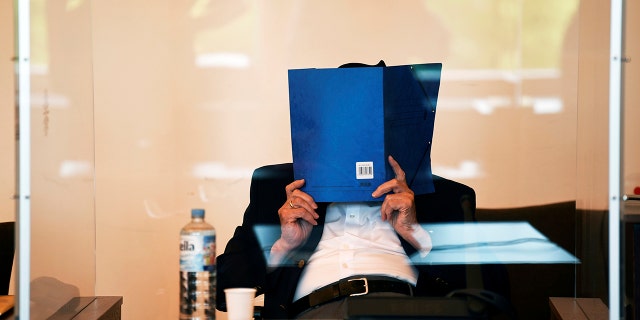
x=349, y=287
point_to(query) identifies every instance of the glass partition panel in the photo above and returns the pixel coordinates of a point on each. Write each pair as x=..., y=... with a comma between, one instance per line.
x=8, y=129
x=196, y=95
x=631, y=159
x=631, y=103
x=62, y=166
x=8, y=115
x=191, y=97
x=592, y=159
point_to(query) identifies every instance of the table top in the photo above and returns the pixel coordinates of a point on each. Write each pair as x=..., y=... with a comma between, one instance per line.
x=578, y=308
x=6, y=306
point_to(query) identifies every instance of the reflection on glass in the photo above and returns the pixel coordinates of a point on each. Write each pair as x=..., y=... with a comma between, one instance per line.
x=71, y=168
x=219, y=170
x=491, y=242
x=470, y=243
x=466, y=169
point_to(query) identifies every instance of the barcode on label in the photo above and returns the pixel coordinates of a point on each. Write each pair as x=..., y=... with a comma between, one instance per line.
x=364, y=170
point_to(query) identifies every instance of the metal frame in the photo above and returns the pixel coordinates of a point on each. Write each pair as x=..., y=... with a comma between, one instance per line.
x=615, y=159
x=23, y=220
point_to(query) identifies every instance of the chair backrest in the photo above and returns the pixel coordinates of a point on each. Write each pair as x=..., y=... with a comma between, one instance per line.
x=7, y=252
x=452, y=201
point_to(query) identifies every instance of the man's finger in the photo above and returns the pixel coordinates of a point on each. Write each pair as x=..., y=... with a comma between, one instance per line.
x=400, y=176
x=296, y=203
x=384, y=188
x=303, y=198
x=293, y=186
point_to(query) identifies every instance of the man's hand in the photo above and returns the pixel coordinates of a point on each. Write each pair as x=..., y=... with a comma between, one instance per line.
x=398, y=206
x=297, y=218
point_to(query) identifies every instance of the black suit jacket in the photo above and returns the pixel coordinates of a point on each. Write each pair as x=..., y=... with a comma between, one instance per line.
x=243, y=262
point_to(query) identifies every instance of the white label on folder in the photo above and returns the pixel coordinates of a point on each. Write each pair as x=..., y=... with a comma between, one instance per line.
x=364, y=170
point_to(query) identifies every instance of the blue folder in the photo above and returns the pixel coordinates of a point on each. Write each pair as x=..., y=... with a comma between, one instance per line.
x=346, y=121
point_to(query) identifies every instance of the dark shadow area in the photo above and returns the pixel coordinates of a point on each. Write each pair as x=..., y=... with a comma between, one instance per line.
x=581, y=232
x=7, y=253
x=48, y=295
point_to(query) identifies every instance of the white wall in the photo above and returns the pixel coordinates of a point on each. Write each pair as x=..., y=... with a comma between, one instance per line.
x=155, y=107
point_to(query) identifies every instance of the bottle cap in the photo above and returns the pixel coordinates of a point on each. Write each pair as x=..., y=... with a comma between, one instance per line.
x=197, y=213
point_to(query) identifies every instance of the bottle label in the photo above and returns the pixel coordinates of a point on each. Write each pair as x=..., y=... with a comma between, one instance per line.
x=197, y=253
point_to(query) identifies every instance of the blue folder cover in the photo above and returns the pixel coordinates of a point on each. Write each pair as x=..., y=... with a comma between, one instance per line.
x=346, y=121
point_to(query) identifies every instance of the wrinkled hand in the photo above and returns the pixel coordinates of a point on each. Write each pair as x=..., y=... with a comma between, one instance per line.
x=297, y=217
x=398, y=206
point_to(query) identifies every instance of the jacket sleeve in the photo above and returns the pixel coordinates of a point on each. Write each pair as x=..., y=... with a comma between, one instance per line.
x=282, y=280
x=243, y=264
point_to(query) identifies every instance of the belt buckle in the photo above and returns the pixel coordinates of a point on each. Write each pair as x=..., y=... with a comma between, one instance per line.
x=365, y=284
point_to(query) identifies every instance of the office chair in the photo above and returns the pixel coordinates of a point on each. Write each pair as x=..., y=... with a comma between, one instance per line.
x=7, y=251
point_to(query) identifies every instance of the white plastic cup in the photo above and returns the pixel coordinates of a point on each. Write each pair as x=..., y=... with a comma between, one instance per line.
x=240, y=303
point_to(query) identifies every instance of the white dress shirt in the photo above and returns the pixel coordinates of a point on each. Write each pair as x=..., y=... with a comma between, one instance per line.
x=356, y=241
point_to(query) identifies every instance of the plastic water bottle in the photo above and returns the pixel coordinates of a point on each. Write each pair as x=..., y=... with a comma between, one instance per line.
x=197, y=269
